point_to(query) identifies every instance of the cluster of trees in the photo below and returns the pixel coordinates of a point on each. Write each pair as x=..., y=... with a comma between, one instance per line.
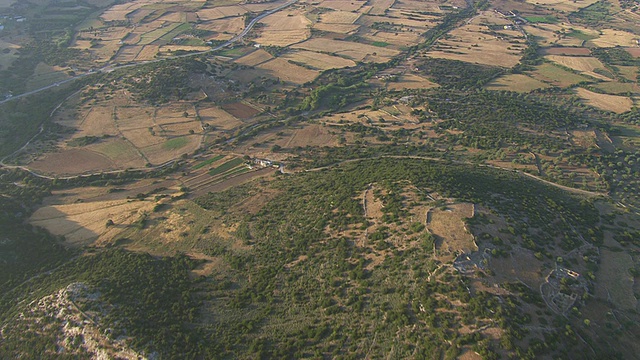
x=458, y=74
x=168, y=80
x=381, y=301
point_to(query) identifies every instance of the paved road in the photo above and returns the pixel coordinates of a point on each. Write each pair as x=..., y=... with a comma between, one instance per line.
x=110, y=68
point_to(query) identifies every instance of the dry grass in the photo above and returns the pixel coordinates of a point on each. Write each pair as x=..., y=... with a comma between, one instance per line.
x=418, y=6
x=343, y=5
x=120, y=152
x=548, y=37
x=399, y=39
x=134, y=117
x=354, y=51
x=617, y=104
x=615, y=283
x=634, y=51
x=521, y=265
x=170, y=48
x=262, y=6
x=286, y=71
x=148, y=52
x=629, y=72
x=557, y=76
x=128, y=53
x=225, y=29
x=516, y=82
x=562, y=5
x=616, y=88
x=142, y=137
x=339, y=17
x=71, y=162
x=177, y=17
x=585, y=65
x=469, y=43
x=570, y=51
x=336, y=28
x=447, y=225
x=308, y=135
x=219, y=118
x=241, y=110
x=97, y=121
x=220, y=12
x=418, y=25
x=379, y=7
x=317, y=60
x=583, y=138
x=410, y=81
x=254, y=58
x=284, y=28
x=610, y=38
x=83, y=223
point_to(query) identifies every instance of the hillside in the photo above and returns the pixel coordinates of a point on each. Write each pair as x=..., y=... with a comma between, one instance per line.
x=332, y=179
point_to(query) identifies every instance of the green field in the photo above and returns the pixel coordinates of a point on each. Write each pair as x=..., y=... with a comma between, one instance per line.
x=175, y=143
x=208, y=162
x=380, y=44
x=236, y=52
x=152, y=36
x=117, y=149
x=557, y=75
x=226, y=166
x=175, y=32
x=615, y=88
x=541, y=19
x=580, y=35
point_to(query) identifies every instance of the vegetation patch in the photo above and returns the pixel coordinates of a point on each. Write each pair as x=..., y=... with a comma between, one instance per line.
x=175, y=143
x=226, y=166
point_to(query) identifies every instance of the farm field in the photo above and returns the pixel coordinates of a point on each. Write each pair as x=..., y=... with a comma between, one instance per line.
x=254, y=58
x=628, y=72
x=616, y=88
x=617, y=104
x=570, y=51
x=336, y=28
x=379, y=7
x=286, y=71
x=342, y=5
x=397, y=39
x=611, y=38
x=359, y=134
x=284, y=28
x=240, y=110
x=584, y=65
x=318, y=61
x=218, y=118
x=84, y=223
x=516, y=82
x=471, y=43
x=45, y=75
x=351, y=50
x=556, y=75
x=562, y=5
x=223, y=29
x=338, y=17
x=409, y=81
x=307, y=135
